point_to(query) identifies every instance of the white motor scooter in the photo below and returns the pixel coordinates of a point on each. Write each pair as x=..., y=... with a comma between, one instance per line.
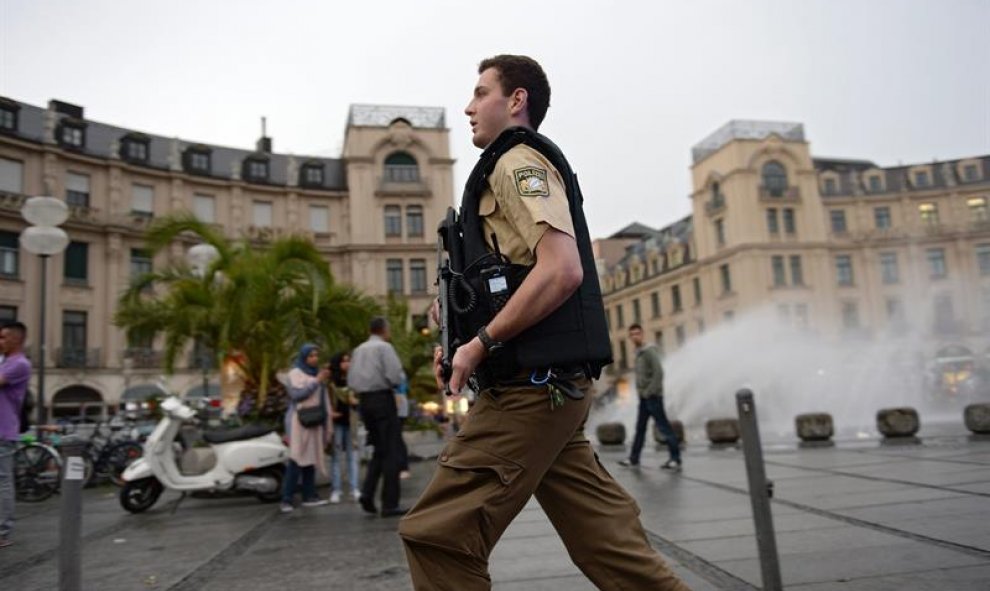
x=249, y=458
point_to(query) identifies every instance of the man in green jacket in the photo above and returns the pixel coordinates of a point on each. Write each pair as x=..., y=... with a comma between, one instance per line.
x=649, y=384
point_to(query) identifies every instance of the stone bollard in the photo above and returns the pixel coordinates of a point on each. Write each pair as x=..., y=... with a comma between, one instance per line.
x=898, y=425
x=611, y=434
x=977, y=419
x=678, y=428
x=814, y=429
x=722, y=432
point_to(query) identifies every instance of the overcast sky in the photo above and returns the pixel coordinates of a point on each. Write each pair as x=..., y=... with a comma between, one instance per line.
x=635, y=84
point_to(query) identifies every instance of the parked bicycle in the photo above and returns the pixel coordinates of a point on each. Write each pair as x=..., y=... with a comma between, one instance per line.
x=109, y=451
x=37, y=470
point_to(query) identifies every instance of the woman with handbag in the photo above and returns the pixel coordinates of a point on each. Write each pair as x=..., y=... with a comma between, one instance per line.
x=308, y=426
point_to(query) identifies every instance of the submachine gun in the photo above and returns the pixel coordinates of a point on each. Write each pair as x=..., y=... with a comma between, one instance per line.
x=450, y=265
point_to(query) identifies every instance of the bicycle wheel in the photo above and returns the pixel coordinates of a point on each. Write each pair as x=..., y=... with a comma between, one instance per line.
x=120, y=457
x=37, y=472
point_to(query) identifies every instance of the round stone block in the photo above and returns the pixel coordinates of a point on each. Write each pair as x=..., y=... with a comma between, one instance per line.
x=611, y=433
x=678, y=428
x=815, y=426
x=722, y=430
x=977, y=418
x=898, y=422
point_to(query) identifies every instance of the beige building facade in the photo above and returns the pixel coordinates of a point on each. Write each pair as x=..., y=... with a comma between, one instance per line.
x=372, y=213
x=843, y=248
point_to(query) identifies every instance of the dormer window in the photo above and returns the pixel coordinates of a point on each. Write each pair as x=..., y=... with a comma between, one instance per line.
x=921, y=179
x=311, y=175
x=197, y=160
x=134, y=148
x=971, y=173
x=72, y=135
x=256, y=169
x=774, y=178
x=8, y=117
x=830, y=187
x=875, y=183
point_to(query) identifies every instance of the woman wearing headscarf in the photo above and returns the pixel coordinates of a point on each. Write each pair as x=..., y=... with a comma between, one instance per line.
x=307, y=386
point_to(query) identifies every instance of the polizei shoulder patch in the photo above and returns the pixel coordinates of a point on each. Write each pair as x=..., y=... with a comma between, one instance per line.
x=531, y=181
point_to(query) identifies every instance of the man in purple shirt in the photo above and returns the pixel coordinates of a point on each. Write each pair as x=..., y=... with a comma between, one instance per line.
x=15, y=371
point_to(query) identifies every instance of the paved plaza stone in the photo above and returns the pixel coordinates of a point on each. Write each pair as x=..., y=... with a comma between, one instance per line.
x=857, y=516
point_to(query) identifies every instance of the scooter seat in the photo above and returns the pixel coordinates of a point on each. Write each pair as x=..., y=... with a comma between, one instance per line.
x=238, y=434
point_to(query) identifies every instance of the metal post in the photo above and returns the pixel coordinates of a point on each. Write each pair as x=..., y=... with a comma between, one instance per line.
x=759, y=494
x=70, y=525
x=42, y=415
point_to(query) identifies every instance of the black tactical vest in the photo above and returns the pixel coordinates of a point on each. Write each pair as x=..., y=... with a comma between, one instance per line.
x=575, y=333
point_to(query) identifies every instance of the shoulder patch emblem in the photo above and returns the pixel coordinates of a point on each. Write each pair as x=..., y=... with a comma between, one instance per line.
x=531, y=181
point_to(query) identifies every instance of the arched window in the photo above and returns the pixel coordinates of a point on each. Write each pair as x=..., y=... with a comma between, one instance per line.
x=401, y=167
x=774, y=178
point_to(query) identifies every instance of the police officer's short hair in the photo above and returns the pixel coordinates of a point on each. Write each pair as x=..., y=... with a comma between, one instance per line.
x=520, y=71
x=378, y=325
x=635, y=326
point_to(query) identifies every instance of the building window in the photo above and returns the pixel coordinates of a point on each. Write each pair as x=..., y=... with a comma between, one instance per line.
x=720, y=232
x=697, y=291
x=895, y=312
x=936, y=263
x=773, y=226
x=76, y=263
x=701, y=326
x=838, y=221
x=774, y=178
x=675, y=294
x=142, y=200
x=889, y=272
x=844, y=269
x=726, y=278
x=971, y=173
x=8, y=314
x=417, y=276
x=977, y=209
x=921, y=179
x=141, y=263
x=876, y=185
x=637, y=316
x=205, y=208
x=414, y=220
x=8, y=117
x=256, y=169
x=830, y=187
x=401, y=167
x=197, y=160
x=608, y=318
x=134, y=149
x=658, y=339
x=261, y=214
x=945, y=317
x=850, y=315
x=801, y=315
x=623, y=356
x=73, y=352
x=983, y=258
x=679, y=335
x=929, y=213
x=319, y=218
x=881, y=217
x=619, y=316
x=76, y=190
x=784, y=313
x=789, y=225
x=393, y=221
x=72, y=135
x=655, y=302
x=779, y=273
x=11, y=176
x=393, y=276
x=9, y=254
x=797, y=273
x=311, y=175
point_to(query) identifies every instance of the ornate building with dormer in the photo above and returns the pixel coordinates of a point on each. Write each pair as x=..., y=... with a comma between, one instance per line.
x=372, y=212
x=844, y=248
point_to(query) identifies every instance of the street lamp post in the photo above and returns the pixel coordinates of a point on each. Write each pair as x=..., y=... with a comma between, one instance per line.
x=200, y=257
x=44, y=238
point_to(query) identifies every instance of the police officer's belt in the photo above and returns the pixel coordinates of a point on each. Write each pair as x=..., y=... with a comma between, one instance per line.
x=561, y=377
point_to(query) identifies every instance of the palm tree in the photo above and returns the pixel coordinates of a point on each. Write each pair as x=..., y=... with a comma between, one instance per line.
x=262, y=302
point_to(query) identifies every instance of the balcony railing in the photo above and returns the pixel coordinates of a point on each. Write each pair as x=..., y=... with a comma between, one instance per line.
x=715, y=205
x=788, y=194
x=12, y=201
x=144, y=358
x=75, y=358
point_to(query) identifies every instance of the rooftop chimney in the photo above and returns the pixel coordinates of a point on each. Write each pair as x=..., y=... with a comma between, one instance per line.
x=66, y=108
x=264, y=142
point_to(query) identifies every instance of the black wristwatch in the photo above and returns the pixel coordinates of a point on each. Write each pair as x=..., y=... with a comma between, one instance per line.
x=491, y=345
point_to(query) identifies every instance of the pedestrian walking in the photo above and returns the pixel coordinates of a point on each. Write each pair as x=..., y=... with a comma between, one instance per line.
x=309, y=427
x=344, y=450
x=402, y=410
x=374, y=375
x=649, y=385
x=15, y=372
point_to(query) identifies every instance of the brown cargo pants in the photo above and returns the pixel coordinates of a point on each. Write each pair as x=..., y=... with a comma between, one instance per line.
x=511, y=447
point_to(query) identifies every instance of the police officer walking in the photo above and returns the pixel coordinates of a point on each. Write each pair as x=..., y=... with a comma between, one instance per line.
x=530, y=327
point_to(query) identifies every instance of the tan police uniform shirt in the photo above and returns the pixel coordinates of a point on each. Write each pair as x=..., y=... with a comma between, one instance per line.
x=525, y=196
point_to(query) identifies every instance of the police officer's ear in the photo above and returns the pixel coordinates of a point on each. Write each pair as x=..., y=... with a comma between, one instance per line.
x=519, y=104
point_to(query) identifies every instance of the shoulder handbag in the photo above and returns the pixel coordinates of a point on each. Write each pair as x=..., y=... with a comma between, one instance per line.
x=314, y=416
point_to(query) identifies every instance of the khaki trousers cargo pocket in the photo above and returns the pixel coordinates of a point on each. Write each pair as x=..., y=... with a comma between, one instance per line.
x=470, y=502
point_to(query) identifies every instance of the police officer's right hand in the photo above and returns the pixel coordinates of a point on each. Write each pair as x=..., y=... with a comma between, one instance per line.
x=435, y=311
x=438, y=366
x=466, y=360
